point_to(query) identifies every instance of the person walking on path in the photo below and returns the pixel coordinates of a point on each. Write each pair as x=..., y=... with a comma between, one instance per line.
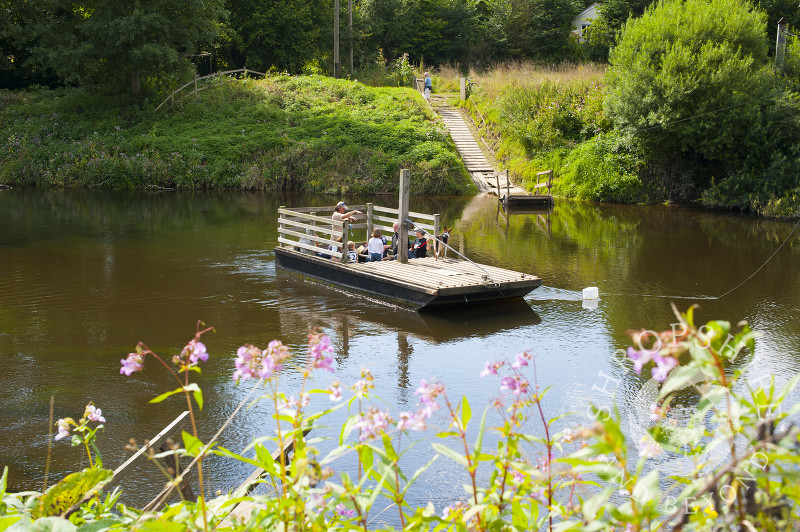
x=428, y=86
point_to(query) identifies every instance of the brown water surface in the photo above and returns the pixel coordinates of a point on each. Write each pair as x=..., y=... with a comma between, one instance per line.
x=86, y=275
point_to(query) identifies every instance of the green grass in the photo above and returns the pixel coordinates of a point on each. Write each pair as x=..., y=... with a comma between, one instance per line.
x=307, y=133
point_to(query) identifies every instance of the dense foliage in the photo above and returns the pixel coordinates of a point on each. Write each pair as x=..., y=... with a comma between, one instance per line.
x=732, y=451
x=313, y=134
x=110, y=43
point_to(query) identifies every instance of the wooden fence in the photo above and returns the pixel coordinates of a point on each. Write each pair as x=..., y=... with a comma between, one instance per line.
x=204, y=82
x=303, y=223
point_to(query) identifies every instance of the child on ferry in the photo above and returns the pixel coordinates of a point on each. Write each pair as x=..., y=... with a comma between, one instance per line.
x=375, y=246
x=352, y=256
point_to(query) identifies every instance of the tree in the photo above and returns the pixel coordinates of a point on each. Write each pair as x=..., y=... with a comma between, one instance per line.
x=540, y=29
x=605, y=28
x=284, y=34
x=111, y=42
x=687, y=78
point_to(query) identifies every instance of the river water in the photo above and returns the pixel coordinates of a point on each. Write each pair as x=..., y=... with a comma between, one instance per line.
x=86, y=275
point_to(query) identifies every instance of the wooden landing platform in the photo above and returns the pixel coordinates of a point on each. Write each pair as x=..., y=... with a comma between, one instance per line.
x=521, y=200
x=419, y=284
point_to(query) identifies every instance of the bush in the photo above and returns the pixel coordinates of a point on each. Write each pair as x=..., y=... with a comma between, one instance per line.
x=604, y=168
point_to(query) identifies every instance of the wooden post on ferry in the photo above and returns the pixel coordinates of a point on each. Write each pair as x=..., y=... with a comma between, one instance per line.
x=437, y=219
x=345, y=230
x=405, y=187
x=369, y=221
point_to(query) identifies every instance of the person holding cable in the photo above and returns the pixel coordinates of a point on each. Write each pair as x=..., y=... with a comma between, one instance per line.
x=340, y=215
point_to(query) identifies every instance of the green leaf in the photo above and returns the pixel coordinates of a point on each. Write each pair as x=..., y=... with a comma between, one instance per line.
x=466, y=412
x=69, y=491
x=191, y=443
x=100, y=526
x=51, y=524
x=679, y=378
x=9, y=520
x=479, y=439
x=450, y=453
x=165, y=395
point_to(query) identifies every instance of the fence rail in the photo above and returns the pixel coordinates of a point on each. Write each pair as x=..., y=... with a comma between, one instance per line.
x=298, y=223
x=204, y=82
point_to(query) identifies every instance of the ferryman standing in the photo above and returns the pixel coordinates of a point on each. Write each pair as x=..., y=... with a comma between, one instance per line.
x=340, y=215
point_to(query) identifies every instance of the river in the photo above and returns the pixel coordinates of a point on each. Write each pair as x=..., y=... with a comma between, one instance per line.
x=85, y=275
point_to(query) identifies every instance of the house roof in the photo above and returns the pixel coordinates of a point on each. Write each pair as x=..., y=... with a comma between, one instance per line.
x=585, y=11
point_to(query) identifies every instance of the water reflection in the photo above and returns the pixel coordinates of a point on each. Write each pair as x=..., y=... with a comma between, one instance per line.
x=84, y=275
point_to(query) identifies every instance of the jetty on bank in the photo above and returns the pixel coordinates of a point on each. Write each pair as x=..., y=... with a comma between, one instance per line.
x=420, y=283
x=485, y=176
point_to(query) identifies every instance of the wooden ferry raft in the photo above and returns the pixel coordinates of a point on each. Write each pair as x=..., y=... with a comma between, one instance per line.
x=425, y=283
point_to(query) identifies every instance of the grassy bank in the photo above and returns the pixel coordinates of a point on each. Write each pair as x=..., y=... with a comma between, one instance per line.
x=541, y=118
x=310, y=134
x=538, y=118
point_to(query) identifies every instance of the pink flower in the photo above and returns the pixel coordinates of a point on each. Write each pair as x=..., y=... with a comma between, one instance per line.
x=344, y=511
x=287, y=404
x=521, y=360
x=640, y=358
x=93, y=414
x=373, y=423
x=196, y=351
x=427, y=397
x=490, y=368
x=246, y=363
x=649, y=447
x=318, y=346
x=663, y=366
x=410, y=421
x=131, y=364
x=336, y=391
x=63, y=429
x=517, y=384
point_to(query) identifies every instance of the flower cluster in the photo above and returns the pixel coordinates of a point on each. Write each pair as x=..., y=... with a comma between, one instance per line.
x=90, y=413
x=366, y=383
x=335, y=390
x=319, y=346
x=664, y=364
x=373, y=423
x=252, y=362
x=132, y=364
x=196, y=351
x=427, y=393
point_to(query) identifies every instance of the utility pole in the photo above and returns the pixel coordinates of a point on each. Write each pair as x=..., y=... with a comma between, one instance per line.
x=336, y=64
x=780, y=46
x=350, y=32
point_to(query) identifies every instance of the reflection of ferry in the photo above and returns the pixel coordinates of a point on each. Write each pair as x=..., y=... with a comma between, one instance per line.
x=302, y=303
x=422, y=283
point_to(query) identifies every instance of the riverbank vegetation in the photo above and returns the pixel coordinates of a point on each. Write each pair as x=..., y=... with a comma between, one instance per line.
x=732, y=460
x=686, y=112
x=307, y=133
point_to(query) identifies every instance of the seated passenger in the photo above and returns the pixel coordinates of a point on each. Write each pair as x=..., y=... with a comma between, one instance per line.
x=419, y=248
x=352, y=256
x=307, y=241
x=376, y=246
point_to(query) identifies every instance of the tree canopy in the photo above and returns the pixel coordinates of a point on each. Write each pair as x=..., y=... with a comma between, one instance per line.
x=686, y=77
x=125, y=42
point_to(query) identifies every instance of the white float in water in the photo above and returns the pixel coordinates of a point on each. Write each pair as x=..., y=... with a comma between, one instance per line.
x=591, y=293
